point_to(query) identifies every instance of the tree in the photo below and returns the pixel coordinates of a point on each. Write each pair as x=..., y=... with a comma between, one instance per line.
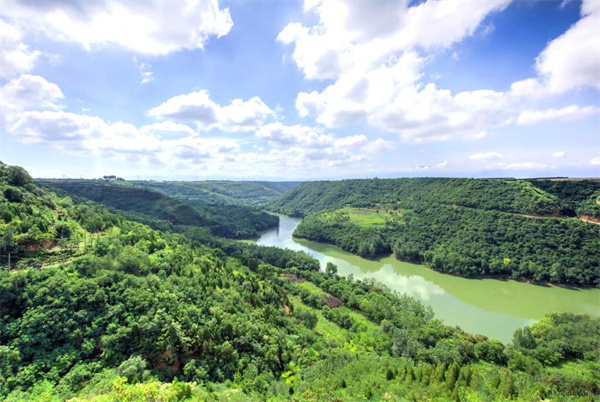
x=331, y=269
x=8, y=244
x=17, y=176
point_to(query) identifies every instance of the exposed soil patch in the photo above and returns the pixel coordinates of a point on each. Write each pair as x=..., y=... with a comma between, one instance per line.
x=162, y=363
x=293, y=278
x=41, y=246
x=590, y=219
x=534, y=215
x=332, y=301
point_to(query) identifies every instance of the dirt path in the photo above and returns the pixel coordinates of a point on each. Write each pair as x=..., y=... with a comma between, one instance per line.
x=589, y=219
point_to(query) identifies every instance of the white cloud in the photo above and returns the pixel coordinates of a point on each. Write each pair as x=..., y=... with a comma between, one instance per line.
x=169, y=146
x=572, y=112
x=30, y=92
x=558, y=154
x=197, y=107
x=526, y=165
x=371, y=51
x=486, y=155
x=147, y=27
x=281, y=136
x=15, y=57
x=379, y=145
x=168, y=128
x=595, y=161
x=573, y=59
x=568, y=62
x=145, y=69
x=352, y=33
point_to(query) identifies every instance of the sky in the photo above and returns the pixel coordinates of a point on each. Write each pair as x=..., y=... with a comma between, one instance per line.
x=292, y=90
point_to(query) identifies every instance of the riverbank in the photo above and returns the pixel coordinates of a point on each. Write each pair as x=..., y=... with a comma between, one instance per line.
x=490, y=306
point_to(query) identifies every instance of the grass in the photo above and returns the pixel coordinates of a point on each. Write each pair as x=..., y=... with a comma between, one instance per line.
x=367, y=216
x=310, y=287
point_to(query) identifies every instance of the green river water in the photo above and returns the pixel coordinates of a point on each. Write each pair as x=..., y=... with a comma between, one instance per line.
x=486, y=306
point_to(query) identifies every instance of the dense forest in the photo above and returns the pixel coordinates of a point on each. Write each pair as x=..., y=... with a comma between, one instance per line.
x=579, y=197
x=96, y=307
x=516, y=196
x=214, y=192
x=468, y=227
x=153, y=207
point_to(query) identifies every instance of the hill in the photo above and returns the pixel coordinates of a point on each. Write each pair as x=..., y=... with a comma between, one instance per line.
x=579, y=197
x=468, y=227
x=249, y=193
x=97, y=307
x=514, y=196
x=148, y=206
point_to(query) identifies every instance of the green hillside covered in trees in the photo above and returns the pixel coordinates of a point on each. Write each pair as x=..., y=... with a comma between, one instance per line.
x=155, y=208
x=97, y=307
x=470, y=227
x=250, y=193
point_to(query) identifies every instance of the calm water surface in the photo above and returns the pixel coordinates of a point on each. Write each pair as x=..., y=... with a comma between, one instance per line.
x=487, y=306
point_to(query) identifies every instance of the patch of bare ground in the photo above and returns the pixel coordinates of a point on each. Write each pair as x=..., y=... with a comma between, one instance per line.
x=293, y=278
x=590, y=219
x=332, y=301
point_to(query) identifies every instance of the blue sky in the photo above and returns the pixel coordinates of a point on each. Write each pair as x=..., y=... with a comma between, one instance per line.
x=321, y=89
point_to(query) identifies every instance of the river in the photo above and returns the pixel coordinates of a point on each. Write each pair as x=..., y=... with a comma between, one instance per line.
x=491, y=307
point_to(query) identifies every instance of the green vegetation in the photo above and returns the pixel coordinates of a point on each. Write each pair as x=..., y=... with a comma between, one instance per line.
x=250, y=193
x=516, y=196
x=579, y=197
x=102, y=308
x=473, y=240
x=157, y=209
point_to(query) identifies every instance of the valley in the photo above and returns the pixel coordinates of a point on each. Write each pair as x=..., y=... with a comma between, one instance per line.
x=492, y=307
x=110, y=291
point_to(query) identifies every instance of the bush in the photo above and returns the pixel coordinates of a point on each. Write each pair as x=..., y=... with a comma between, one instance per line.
x=134, y=369
x=13, y=194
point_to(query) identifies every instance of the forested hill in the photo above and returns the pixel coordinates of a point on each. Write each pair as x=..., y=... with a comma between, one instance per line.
x=469, y=227
x=95, y=307
x=250, y=193
x=579, y=197
x=515, y=196
x=150, y=206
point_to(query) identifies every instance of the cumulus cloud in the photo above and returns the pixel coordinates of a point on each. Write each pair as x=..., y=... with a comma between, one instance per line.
x=558, y=154
x=486, y=155
x=351, y=33
x=198, y=108
x=372, y=52
x=281, y=136
x=148, y=27
x=568, y=62
x=573, y=59
x=28, y=92
x=31, y=113
x=572, y=112
x=15, y=57
x=34, y=116
x=595, y=161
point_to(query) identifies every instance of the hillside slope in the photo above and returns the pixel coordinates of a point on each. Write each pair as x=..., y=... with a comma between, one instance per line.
x=232, y=221
x=249, y=193
x=474, y=228
x=579, y=197
x=515, y=196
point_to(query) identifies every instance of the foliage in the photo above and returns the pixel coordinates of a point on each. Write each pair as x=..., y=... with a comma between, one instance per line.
x=515, y=196
x=159, y=210
x=463, y=240
x=132, y=313
x=214, y=192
